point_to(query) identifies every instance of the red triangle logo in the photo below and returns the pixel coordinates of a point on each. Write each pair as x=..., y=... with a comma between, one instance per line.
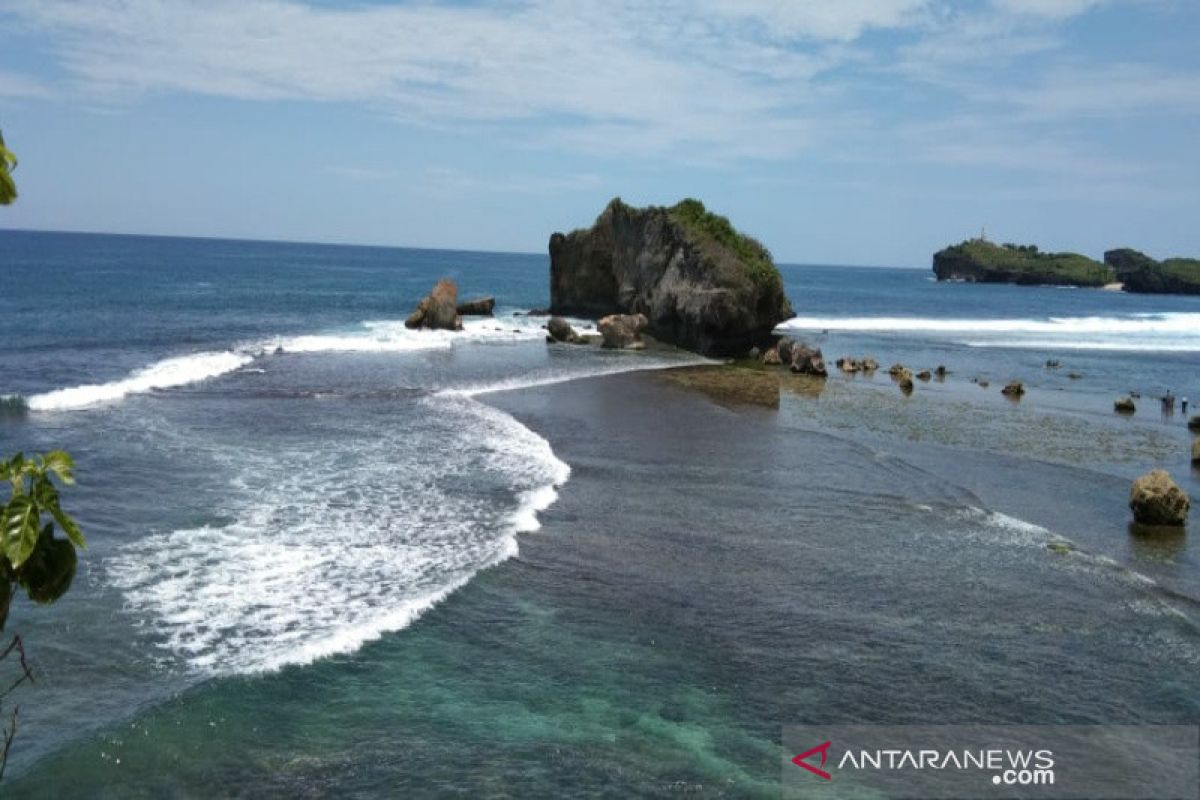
x=802, y=760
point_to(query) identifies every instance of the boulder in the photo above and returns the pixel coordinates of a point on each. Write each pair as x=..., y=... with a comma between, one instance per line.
x=1155, y=499
x=940, y=371
x=1194, y=424
x=481, y=307
x=784, y=347
x=700, y=283
x=904, y=379
x=924, y=375
x=869, y=364
x=623, y=331
x=561, y=331
x=849, y=364
x=1196, y=453
x=1013, y=389
x=438, y=309
x=1124, y=405
x=896, y=369
x=983, y=384
x=808, y=361
x=754, y=354
x=771, y=357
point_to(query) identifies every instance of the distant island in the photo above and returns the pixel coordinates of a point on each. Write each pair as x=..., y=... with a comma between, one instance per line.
x=981, y=261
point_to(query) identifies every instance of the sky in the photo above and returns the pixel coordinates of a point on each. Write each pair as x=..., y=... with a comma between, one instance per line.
x=842, y=132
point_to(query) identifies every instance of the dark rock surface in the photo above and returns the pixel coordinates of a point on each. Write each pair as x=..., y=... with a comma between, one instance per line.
x=700, y=284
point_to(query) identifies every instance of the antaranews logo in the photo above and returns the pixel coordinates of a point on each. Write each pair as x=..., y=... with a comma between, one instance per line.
x=993, y=762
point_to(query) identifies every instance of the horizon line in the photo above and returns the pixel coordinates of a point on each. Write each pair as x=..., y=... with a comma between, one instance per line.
x=312, y=243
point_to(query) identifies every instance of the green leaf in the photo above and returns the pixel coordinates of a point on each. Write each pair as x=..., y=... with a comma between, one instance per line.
x=49, y=572
x=21, y=517
x=61, y=464
x=70, y=527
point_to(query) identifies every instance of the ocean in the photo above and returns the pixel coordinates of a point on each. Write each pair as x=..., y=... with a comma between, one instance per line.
x=329, y=555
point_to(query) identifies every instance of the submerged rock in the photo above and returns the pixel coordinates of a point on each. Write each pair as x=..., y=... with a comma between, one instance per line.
x=481, y=307
x=904, y=379
x=1124, y=405
x=729, y=385
x=924, y=375
x=623, y=331
x=896, y=369
x=438, y=309
x=1155, y=499
x=1196, y=453
x=1194, y=424
x=700, y=284
x=940, y=371
x=1013, y=389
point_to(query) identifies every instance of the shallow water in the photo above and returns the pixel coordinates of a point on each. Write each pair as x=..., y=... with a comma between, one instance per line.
x=254, y=616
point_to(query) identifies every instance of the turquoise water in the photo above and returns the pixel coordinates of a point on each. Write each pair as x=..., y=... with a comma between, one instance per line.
x=301, y=577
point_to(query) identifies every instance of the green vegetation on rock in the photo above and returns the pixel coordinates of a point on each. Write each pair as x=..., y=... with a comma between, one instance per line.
x=704, y=224
x=8, y=162
x=979, y=260
x=1140, y=273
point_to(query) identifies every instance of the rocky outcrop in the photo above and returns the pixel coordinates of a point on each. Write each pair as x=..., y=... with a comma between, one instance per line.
x=1142, y=274
x=481, y=307
x=771, y=357
x=700, y=284
x=438, y=309
x=808, y=361
x=1155, y=499
x=1124, y=405
x=623, y=331
x=1194, y=424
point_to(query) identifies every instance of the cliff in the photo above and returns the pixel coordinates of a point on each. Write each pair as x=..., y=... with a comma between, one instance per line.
x=701, y=284
x=977, y=260
x=1143, y=274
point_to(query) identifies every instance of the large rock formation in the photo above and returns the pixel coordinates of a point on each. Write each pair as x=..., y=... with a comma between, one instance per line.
x=978, y=260
x=438, y=309
x=1142, y=274
x=700, y=283
x=1155, y=499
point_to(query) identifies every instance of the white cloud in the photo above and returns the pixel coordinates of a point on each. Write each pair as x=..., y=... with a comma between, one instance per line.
x=708, y=74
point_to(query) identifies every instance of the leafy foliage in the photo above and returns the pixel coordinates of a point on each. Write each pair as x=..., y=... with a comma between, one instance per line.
x=754, y=257
x=8, y=162
x=32, y=557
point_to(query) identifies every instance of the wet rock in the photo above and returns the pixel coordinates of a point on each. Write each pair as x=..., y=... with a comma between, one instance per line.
x=808, y=361
x=438, y=309
x=729, y=384
x=1013, y=389
x=623, y=331
x=481, y=307
x=561, y=331
x=1155, y=499
x=771, y=357
x=1124, y=405
x=924, y=375
x=1074, y=376
x=1053, y=363
x=848, y=364
x=784, y=347
x=1196, y=453
x=869, y=364
x=904, y=379
x=1194, y=424
x=754, y=353
x=940, y=371
x=896, y=369
x=983, y=384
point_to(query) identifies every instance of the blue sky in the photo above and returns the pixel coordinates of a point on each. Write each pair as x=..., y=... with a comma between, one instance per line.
x=847, y=131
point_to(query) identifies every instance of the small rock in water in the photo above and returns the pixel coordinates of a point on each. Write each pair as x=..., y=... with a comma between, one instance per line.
x=904, y=379
x=561, y=331
x=1053, y=363
x=1124, y=405
x=784, y=349
x=983, y=384
x=438, y=309
x=771, y=357
x=1194, y=424
x=1074, y=376
x=1155, y=499
x=896, y=369
x=940, y=371
x=808, y=361
x=1013, y=389
x=924, y=375
x=1196, y=453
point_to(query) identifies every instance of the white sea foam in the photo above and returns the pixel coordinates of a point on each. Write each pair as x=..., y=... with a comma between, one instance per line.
x=381, y=336
x=1168, y=332
x=165, y=374
x=328, y=553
